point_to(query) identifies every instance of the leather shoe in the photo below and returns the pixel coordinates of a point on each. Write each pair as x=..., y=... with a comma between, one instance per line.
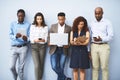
x=68, y=79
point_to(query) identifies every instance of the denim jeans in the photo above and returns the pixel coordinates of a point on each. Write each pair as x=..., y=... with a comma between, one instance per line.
x=58, y=62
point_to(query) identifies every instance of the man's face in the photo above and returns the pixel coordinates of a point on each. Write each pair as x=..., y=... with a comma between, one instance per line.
x=61, y=20
x=98, y=14
x=20, y=16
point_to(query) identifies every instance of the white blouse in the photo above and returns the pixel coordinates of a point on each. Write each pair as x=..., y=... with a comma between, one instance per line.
x=38, y=32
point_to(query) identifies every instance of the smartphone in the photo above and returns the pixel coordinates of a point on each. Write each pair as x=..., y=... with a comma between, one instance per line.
x=95, y=37
x=40, y=38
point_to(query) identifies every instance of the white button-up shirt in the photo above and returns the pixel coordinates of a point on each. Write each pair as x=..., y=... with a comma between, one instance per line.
x=61, y=28
x=38, y=32
x=103, y=29
x=61, y=31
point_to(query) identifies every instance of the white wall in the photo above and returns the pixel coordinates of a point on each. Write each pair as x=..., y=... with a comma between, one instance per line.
x=50, y=8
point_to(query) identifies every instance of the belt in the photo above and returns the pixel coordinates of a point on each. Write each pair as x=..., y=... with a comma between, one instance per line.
x=99, y=43
x=59, y=47
x=19, y=45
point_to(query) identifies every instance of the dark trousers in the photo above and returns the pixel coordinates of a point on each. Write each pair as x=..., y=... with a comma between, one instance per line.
x=38, y=54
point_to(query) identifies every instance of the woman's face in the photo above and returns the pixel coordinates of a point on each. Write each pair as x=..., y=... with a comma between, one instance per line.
x=39, y=19
x=80, y=25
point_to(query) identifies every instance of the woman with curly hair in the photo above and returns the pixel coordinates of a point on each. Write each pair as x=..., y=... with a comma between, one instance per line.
x=79, y=39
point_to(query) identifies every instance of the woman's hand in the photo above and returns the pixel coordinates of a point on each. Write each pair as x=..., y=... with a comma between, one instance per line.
x=37, y=40
x=75, y=42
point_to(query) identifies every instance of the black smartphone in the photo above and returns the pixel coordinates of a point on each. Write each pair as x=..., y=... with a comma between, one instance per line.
x=95, y=37
x=40, y=38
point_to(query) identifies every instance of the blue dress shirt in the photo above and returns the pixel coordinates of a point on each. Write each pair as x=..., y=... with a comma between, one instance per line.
x=14, y=29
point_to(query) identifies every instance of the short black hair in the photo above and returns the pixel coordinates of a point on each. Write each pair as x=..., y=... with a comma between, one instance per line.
x=21, y=11
x=61, y=14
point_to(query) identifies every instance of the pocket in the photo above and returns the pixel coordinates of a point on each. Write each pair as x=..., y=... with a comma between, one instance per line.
x=107, y=47
x=42, y=45
x=33, y=46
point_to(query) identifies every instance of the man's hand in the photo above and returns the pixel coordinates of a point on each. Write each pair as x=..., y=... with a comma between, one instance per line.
x=97, y=39
x=66, y=46
x=18, y=35
x=24, y=38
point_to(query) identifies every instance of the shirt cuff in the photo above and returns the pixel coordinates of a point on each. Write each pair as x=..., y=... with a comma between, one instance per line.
x=104, y=39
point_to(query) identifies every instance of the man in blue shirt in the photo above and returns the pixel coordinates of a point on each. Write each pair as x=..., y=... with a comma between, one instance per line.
x=19, y=35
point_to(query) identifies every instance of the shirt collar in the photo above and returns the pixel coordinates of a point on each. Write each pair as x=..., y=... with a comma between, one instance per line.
x=21, y=23
x=100, y=20
x=60, y=25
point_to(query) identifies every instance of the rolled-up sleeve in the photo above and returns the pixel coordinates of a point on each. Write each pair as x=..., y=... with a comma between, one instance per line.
x=109, y=31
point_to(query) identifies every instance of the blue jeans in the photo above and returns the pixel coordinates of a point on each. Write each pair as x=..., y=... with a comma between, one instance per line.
x=58, y=62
